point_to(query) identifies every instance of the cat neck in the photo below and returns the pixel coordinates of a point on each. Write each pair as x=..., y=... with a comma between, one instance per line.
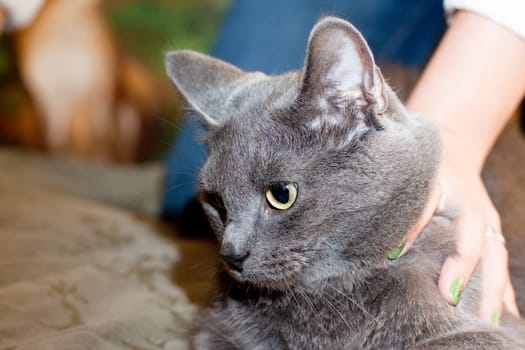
x=378, y=300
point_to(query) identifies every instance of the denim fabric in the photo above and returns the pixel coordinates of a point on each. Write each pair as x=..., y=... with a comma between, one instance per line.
x=271, y=36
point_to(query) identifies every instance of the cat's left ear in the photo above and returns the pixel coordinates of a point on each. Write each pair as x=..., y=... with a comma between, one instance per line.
x=204, y=82
x=340, y=72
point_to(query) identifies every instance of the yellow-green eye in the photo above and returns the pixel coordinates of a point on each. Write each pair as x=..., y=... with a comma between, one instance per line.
x=281, y=196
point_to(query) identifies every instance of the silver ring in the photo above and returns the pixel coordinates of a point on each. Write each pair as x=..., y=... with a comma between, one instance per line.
x=491, y=232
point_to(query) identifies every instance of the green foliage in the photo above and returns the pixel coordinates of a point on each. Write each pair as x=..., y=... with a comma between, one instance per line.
x=148, y=28
x=5, y=60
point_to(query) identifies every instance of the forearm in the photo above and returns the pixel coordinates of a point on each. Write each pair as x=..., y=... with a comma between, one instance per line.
x=473, y=83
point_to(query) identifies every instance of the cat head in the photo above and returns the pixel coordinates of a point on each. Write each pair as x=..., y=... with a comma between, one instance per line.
x=310, y=174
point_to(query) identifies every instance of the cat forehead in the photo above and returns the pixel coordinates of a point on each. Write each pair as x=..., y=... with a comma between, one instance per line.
x=270, y=132
x=254, y=151
x=254, y=113
x=260, y=94
x=264, y=139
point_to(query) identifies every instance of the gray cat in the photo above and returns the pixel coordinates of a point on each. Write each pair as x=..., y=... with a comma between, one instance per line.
x=313, y=179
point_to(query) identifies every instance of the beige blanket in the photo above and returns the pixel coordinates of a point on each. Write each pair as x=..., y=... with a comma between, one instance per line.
x=76, y=274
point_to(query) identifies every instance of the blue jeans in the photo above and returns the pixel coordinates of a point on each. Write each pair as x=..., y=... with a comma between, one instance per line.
x=271, y=36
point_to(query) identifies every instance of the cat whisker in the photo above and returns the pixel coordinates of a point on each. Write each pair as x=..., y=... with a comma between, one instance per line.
x=191, y=173
x=170, y=123
x=307, y=300
x=171, y=188
x=248, y=286
x=177, y=126
x=303, y=295
x=229, y=339
x=292, y=292
x=362, y=309
x=294, y=298
x=335, y=309
x=340, y=315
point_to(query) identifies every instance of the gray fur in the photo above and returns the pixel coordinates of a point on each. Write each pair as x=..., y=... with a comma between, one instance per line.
x=317, y=275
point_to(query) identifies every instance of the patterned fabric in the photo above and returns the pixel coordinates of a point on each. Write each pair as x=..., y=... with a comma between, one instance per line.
x=75, y=274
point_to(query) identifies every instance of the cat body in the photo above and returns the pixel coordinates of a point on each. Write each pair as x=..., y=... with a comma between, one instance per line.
x=390, y=308
x=312, y=179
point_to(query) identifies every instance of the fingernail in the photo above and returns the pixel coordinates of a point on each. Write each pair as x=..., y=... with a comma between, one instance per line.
x=394, y=253
x=495, y=318
x=456, y=289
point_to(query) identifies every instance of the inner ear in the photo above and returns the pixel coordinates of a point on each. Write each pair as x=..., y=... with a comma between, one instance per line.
x=204, y=82
x=340, y=72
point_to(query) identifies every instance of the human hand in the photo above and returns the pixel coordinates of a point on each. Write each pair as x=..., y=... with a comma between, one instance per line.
x=461, y=194
x=474, y=60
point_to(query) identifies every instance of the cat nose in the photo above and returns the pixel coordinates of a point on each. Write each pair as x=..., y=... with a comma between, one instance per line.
x=235, y=260
x=232, y=257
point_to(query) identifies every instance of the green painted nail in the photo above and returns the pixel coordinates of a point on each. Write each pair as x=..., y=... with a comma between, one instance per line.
x=495, y=318
x=394, y=253
x=456, y=289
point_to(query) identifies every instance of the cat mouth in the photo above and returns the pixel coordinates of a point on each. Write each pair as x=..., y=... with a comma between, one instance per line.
x=276, y=282
x=275, y=270
x=234, y=273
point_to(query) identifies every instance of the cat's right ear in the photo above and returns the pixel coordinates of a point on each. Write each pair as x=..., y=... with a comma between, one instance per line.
x=204, y=82
x=340, y=74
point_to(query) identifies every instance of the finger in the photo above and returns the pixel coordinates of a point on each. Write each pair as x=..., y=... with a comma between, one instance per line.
x=458, y=267
x=426, y=215
x=509, y=299
x=494, y=278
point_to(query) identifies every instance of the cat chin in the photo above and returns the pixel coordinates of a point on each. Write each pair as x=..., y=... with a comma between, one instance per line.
x=279, y=283
x=304, y=276
x=342, y=270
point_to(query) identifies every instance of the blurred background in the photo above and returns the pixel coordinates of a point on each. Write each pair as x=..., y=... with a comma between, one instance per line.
x=93, y=150
x=85, y=78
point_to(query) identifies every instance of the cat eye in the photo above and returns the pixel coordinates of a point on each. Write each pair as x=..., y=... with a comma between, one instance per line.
x=281, y=196
x=215, y=200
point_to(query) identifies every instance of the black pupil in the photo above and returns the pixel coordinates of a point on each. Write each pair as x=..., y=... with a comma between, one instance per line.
x=281, y=193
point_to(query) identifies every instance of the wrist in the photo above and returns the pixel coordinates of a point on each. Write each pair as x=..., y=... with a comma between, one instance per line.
x=462, y=150
x=471, y=86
